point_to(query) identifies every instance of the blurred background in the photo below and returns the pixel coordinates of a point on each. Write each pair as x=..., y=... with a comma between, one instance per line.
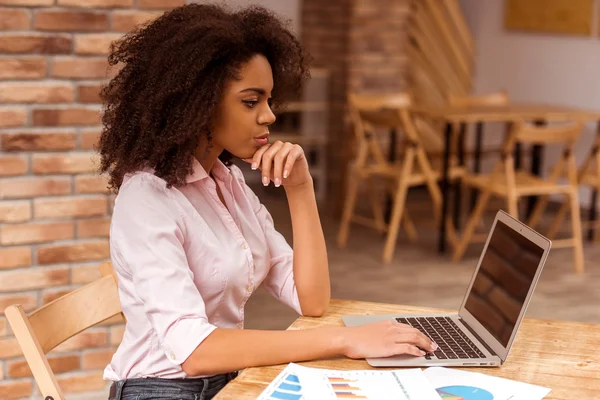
x=448, y=79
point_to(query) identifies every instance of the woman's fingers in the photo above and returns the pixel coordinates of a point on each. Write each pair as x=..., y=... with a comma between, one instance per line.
x=266, y=161
x=279, y=161
x=416, y=338
x=405, y=348
x=295, y=153
x=256, y=158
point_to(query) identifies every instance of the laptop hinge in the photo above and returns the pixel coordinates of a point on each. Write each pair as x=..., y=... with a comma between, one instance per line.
x=492, y=352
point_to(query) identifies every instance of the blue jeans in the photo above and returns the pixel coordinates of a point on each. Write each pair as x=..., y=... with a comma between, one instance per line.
x=169, y=389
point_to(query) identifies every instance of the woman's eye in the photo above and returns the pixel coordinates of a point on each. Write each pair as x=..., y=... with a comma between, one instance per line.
x=250, y=103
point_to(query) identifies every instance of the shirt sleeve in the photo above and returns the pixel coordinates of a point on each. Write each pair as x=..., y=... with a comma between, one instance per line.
x=148, y=233
x=280, y=279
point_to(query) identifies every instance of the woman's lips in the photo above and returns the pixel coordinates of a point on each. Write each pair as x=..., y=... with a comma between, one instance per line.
x=262, y=140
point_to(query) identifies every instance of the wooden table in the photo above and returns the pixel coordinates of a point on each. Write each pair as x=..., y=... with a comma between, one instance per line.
x=460, y=115
x=555, y=354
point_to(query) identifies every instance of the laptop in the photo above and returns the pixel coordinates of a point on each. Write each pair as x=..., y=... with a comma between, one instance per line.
x=483, y=331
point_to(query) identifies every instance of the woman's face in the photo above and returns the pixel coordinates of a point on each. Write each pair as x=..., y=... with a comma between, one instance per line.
x=244, y=114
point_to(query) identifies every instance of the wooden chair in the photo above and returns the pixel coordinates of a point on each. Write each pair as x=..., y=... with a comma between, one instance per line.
x=414, y=169
x=588, y=175
x=505, y=182
x=52, y=324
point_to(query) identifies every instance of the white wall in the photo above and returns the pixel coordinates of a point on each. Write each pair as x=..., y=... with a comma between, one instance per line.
x=287, y=9
x=532, y=67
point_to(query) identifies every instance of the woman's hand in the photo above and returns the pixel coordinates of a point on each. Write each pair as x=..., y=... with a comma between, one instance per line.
x=281, y=163
x=385, y=339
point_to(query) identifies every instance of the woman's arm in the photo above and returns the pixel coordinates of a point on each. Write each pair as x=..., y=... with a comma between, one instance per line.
x=285, y=163
x=226, y=350
x=311, y=268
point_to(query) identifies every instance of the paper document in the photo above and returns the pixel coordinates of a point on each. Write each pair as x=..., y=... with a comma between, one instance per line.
x=297, y=382
x=454, y=384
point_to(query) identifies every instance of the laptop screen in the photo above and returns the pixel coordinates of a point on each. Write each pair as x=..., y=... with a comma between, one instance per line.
x=503, y=280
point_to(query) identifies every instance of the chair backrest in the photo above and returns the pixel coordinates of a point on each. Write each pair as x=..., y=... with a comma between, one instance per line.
x=368, y=110
x=490, y=99
x=52, y=324
x=522, y=132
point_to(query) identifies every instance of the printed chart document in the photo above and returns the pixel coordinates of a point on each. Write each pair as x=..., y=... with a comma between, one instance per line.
x=453, y=384
x=297, y=382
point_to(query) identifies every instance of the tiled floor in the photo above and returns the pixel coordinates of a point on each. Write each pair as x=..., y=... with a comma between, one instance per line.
x=419, y=275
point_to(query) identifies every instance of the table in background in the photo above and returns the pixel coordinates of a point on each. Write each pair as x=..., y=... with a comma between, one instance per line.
x=460, y=115
x=560, y=355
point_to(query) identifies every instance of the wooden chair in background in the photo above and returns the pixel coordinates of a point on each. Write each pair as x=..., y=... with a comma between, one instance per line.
x=512, y=184
x=413, y=169
x=52, y=324
x=588, y=175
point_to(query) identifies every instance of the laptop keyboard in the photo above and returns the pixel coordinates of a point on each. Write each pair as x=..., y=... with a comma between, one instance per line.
x=451, y=340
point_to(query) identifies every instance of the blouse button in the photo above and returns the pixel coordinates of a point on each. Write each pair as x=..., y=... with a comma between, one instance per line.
x=244, y=246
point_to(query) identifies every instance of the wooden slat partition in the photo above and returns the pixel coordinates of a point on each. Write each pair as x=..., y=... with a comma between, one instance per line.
x=440, y=51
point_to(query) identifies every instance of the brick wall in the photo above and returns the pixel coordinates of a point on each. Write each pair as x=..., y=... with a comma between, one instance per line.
x=362, y=43
x=54, y=209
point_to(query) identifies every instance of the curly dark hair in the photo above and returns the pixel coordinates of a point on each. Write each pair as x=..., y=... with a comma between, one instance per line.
x=160, y=105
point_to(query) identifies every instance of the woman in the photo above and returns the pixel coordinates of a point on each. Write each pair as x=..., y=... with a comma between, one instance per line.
x=189, y=240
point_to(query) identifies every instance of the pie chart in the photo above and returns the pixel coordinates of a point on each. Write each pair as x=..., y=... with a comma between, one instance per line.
x=464, y=393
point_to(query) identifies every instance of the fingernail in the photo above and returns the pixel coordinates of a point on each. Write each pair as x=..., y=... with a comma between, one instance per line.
x=422, y=353
x=434, y=346
x=265, y=181
x=277, y=183
x=254, y=166
x=285, y=174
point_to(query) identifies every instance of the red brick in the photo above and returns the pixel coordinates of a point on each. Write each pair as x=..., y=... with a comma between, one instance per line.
x=65, y=117
x=49, y=296
x=9, y=347
x=86, y=339
x=91, y=184
x=124, y=21
x=70, y=163
x=77, y=21
x=89, y=139
x=89, y=93
x=30, y=141
x=93, y=227
x=36, y=93
x=16, y=389
x=30, y=43
x=15, y=211
x=33, y=278
x=22, y=68
x=83, y=382
x=13, y=257
x=160, y=4
x=80, y=68
x=96, y=359
x=13, y=165
x=88, y=251
x=68, y=207
x=59, y=364
x=36, y=232
x=14, y=19
x=95, y=43
x=10, y=117
x=85, y=274
x=96, y=3
x=27, y=300
x=19, y=188
x=3, y=332
x=116, y=334
x=27, y=3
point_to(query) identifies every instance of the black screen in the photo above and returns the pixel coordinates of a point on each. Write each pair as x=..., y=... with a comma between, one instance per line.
x=503, y=281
